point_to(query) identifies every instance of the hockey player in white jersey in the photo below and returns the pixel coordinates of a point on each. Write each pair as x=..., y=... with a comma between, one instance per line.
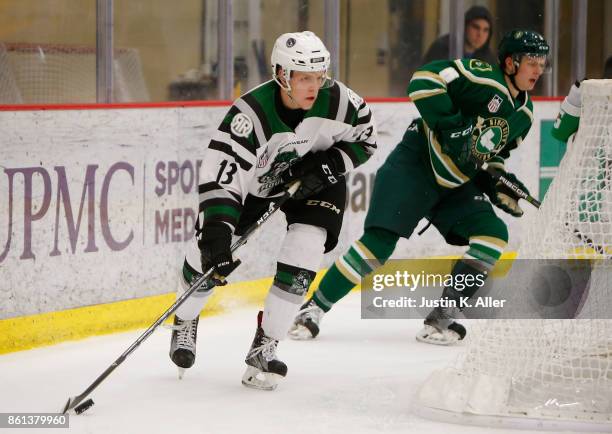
x=300, y=125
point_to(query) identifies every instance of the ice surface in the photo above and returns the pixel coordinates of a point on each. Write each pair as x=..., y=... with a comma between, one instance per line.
x=358, y=376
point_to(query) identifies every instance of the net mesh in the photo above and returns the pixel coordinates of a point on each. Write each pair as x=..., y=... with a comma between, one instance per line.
x=56, y=74
x=551, y=369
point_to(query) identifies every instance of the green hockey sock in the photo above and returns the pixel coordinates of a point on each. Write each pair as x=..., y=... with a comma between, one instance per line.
x=485, y=249
x=483, y=253
x=364, y=256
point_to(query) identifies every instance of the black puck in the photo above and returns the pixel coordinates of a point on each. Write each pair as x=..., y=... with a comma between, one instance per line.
x=84, y=406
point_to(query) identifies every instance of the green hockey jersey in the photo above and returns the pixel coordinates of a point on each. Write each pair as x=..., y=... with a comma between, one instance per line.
x=448, y=92
x=253, y=146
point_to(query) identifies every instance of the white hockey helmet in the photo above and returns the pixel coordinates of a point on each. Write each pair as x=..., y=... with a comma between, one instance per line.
x=302, y=51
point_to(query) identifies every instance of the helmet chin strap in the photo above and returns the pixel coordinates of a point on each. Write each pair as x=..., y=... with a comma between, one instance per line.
x=513, y=75
x=513, y=81
x=291, y=97
x=285, y=86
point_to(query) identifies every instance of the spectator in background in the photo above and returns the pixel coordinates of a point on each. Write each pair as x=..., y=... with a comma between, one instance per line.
x=607, y=72
x=477, y=35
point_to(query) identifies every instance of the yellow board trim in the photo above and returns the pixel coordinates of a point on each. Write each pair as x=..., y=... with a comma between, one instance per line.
x=23, y=333
x=32, y=331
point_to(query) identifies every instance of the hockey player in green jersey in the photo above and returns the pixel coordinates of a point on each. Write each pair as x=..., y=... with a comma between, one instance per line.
x=300, y=125
x=471, y=113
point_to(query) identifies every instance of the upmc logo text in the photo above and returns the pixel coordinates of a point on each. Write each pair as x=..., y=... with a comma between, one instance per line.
x=67, y=207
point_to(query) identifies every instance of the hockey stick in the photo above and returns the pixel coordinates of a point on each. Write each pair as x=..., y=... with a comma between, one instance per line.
x=498, y=176
x=201, y=283
x=582, y=237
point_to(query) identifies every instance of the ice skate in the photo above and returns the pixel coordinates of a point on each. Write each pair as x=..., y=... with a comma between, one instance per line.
x=307, y=323
x=183, y=343
x=264, y=370
x=440, y=327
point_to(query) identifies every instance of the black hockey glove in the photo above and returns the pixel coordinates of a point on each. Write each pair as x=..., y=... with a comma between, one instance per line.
x=457, y=142
x=316, y=171
x=500, y=195
x=214, y=245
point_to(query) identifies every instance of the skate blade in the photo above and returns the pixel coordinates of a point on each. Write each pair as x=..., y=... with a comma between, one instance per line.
x=300, y=333
x=181, y=373
x=431, y=335
x=256, y=379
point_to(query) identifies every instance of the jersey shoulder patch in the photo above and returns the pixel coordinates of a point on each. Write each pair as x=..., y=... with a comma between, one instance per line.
x=479, y=65
x=355, y=99
x=241, y=125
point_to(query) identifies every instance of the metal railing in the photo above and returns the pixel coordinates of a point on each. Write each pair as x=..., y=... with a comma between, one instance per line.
x=104, y=41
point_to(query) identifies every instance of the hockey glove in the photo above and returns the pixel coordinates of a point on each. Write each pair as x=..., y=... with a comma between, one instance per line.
x=316, y=171
x=215, y=251
x=457, y=142
x=574, y=96
x=499, y=195
x=508, y=198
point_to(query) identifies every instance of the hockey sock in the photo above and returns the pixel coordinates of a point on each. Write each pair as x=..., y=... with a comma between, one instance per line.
x=364, y=256
x=191, y=307
x=470, y=272
x=300, y=256
x=485, y=249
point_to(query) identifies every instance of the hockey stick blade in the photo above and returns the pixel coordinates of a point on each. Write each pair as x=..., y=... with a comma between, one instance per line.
x=78, y=406
x=204, y=281
x=70, y=404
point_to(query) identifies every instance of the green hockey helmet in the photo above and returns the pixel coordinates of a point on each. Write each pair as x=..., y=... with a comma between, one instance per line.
x=517, y=43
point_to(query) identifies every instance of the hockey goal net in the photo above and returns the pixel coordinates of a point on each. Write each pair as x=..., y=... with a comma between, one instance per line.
x=545, y=373
x=60, y=73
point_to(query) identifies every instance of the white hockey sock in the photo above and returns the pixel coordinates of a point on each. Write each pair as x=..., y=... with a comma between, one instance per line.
x=303, y=249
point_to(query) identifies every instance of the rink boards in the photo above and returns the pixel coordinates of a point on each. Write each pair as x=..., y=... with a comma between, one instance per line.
x=97, y=206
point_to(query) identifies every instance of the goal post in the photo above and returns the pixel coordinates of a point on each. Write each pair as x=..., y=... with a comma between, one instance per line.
x=548, y=373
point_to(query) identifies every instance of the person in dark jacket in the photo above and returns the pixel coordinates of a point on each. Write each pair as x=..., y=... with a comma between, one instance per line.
x=477, y=35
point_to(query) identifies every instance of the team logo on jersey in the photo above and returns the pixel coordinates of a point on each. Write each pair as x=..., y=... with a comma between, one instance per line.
x=489, y=136
x=494, y=104
x=263, y=159
x=241, y=125
x=479, y=65
x=272, y=177
x=355, y=99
